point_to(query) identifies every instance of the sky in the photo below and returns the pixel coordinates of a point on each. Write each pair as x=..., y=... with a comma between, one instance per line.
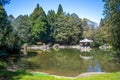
x=90, y=9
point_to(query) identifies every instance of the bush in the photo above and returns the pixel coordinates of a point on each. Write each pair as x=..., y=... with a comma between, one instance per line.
x=3, y=65
x=95, y=44
x=22, y=72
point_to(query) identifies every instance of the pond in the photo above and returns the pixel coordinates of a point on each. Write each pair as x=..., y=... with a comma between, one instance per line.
x=69, y=62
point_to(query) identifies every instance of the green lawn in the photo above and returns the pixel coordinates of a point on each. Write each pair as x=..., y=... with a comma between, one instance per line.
x=23, y=75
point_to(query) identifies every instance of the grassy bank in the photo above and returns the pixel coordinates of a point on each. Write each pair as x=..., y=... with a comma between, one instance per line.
x=23, y=75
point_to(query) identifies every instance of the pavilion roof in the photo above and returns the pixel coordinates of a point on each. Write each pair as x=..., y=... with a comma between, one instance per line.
x=86, y=40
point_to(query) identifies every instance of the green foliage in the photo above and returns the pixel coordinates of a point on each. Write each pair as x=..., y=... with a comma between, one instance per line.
x=112, y=13
x=102, y=35
x=3, y=65
x=60, y=10
x=22, y=72
x=39, y=25
x=89, y=28
x=54, y=28
x=51, y=17
x=96, y=44
x=22, y=28
x=5, y=28
x=10, y=75
x=8, y=39
x=68, y=29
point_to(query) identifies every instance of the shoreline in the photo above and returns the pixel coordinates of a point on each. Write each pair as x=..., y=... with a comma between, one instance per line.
x=82, y=75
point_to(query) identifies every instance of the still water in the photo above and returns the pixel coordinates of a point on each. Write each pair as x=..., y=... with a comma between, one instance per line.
x=69, y=62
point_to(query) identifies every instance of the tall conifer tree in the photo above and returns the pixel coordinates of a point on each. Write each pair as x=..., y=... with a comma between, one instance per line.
x=5, y=27
x=60, y=10
x=22, y=27
x=51, y=17
x=38, y=21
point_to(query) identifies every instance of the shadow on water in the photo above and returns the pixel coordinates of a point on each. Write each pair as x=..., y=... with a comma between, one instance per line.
x=25, y=62
x=31, y=54
x=116, y=56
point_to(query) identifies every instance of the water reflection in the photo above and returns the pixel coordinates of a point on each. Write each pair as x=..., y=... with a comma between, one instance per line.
x=69, y=62
x=86, y=57
x=86, y=49
x=94, y=68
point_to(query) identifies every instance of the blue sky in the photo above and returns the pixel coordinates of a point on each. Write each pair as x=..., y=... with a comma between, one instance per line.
x=91, y=9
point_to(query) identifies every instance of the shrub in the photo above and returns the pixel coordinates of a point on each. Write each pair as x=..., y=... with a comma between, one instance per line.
x=3, y=65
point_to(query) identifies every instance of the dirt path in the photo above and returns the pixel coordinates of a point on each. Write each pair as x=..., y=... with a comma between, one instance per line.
x=90, y=74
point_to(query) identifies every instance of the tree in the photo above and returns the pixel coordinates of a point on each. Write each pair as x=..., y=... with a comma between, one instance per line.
x=5, y=27
x=8, y=40
x=22, y=28
x=104, y=32
x=68, y=30
x=39, y=25
x=112, y=13
x=89, y=28
x=60, y=30
x=75, y=16
x=60, y=10
x=76, y=29
x=51, y=17
x=11, y=18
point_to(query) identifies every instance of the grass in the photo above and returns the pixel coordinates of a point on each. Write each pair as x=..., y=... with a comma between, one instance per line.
x=23, y=75
x=10, y=75
x=110, y=76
